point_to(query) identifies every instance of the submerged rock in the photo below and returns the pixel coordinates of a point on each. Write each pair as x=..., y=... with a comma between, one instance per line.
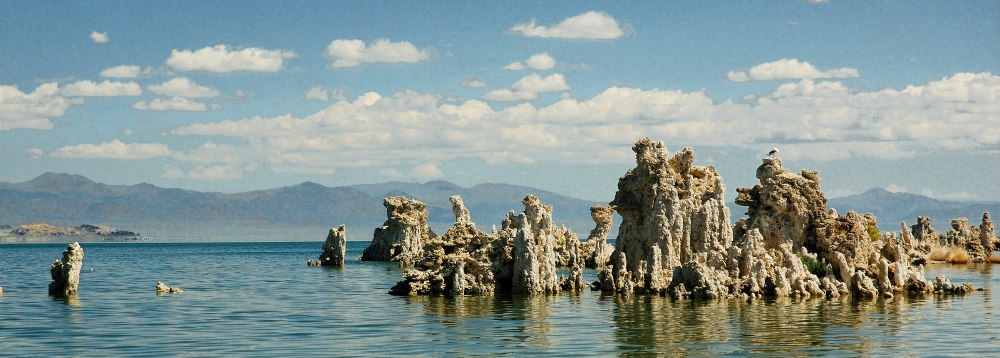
x=162, y=288
x=402, y=235
x=66, y=272
x=334, y=248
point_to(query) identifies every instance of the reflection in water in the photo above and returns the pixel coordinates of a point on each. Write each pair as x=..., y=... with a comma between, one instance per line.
x=526, y=318
x=659, y=324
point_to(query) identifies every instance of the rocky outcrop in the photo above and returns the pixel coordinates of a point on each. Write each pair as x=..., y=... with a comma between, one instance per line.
x=520, y=258
x=457, y=263
x=66, y=272
x=532, y=249
x=85, y=232
x=162, y=288
x=334, y=248
x=596, y=251
x=674, y=238
x=845, y=250
x=402, y=235
x=924, y=234
x=987, y=235
x=672, y=213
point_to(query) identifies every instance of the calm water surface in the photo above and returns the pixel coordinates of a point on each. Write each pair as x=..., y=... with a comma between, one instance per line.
x=262, y=299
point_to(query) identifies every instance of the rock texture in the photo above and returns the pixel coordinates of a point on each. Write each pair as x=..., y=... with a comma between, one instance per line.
x=534, y=268
x=596, y=251
x=675, y=239
x=66, y=272
x=520, y=258
x=334, y=248
x=402, y=235
x=457, y=263
x=162, y=288
x=672, y=213
x=978, y=242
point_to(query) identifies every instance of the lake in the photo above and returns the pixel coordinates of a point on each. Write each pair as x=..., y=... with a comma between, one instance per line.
x=260, y=298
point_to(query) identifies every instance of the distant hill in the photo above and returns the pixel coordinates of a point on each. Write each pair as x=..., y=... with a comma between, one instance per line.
x=65, y=199
x=892, y=208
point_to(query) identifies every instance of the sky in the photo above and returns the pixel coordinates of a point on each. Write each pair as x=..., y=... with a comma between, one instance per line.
x=234, y=96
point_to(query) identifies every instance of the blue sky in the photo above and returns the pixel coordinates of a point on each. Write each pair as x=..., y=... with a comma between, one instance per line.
x=235, y=96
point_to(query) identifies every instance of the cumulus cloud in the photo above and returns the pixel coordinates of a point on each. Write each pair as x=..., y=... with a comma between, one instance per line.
x=103, y=89
x=426, y=171
x=34, y=153
x=216, y=172
x=173, y=104
x=528, y=88
x=539, y=62
x=317, y=93
x=126, y=71
x=99, y=37
x=353, y=53
x=536, y=83
x=590, y=25
x=789, y=69
x=472, y=82
x=32, y=110
x=507, y=95
x=223, y=59
x=183, y=88
x=114, y=149
x=212, y=153
x=819, y=120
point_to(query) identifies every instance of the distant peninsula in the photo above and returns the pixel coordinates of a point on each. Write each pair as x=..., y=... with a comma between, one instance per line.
x=82, y=233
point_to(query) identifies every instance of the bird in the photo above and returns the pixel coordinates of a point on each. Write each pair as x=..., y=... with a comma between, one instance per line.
x=772, y=152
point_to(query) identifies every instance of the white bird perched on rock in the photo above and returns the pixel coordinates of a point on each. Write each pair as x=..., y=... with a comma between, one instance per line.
x=772, y=152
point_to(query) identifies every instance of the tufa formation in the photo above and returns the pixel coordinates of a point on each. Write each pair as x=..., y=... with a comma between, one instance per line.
x=66, y=272
x=402, y=235
x=334, y=248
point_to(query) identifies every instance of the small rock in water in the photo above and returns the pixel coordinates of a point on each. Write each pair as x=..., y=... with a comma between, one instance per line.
x=162, y=288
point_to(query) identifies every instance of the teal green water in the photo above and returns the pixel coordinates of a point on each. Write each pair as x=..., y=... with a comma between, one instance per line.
x=261, y=299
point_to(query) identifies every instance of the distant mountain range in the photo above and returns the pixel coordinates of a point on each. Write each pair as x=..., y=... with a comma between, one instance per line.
x=66, y=200
x=892, y=208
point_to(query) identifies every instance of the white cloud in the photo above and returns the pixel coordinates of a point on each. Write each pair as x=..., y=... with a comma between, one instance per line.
x=426, y=171
x=173, y=104
x=819, y=120
x=34, y=153
x=789, y=69
x=218, y=172
x=528, y=88
x=893, y=188
x=103, y=89
x=212, y=153
x=32, y=110
x=317, y=93
x=172, y=172
x=223, y=59
x=99, y=37
x=507, y=95
x=472, y=82
x=539, y=62
x=114, y=149
x=590, y=25
x=352, y=53
x=126, y=71
x=183, y=88
x=536, y=83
